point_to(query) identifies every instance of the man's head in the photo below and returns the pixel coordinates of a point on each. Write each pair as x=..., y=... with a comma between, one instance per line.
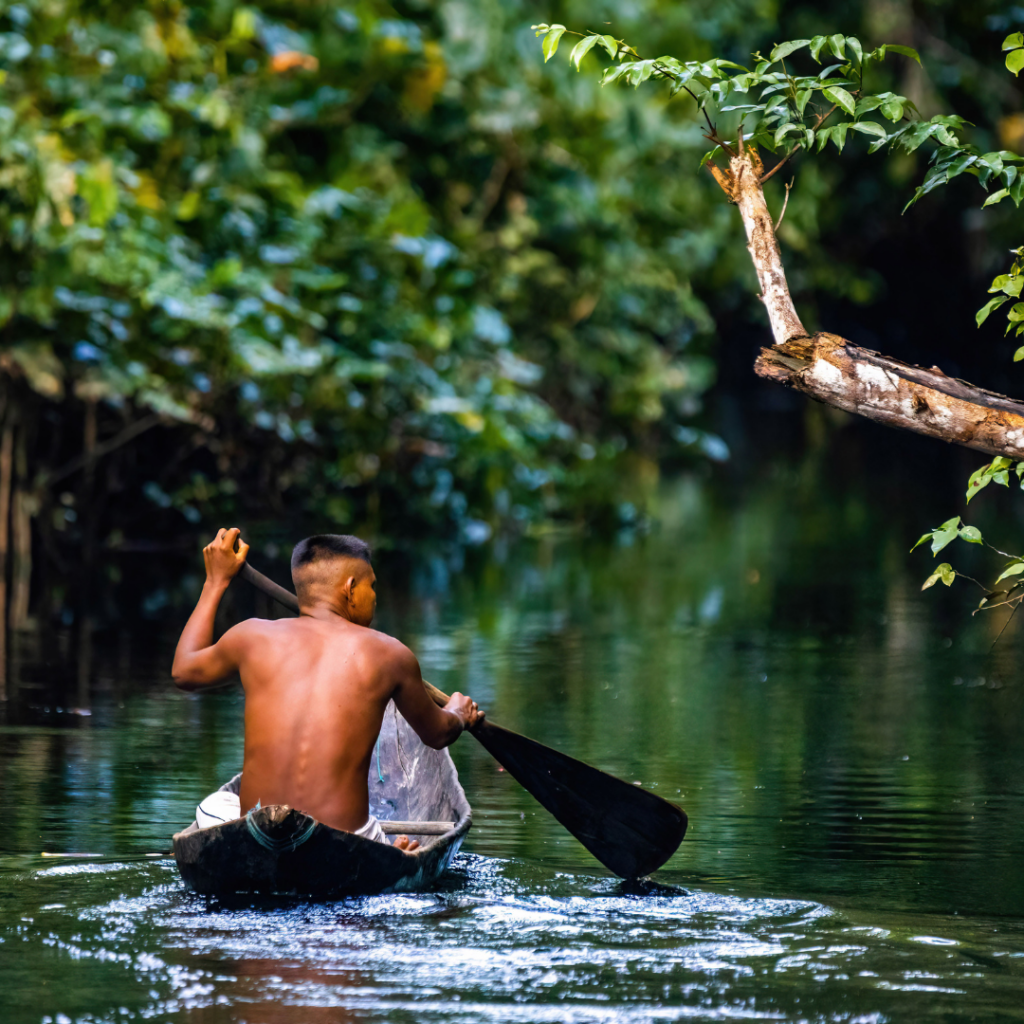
x=334, y=569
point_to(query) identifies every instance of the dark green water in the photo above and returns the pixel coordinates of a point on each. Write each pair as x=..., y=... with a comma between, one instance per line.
x=849, y=751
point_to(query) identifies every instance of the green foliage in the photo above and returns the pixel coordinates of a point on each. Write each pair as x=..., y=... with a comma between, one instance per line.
x=948, y=532
x=1015, y=58
x=997, y=471
x=349, y=261
x=789, y=111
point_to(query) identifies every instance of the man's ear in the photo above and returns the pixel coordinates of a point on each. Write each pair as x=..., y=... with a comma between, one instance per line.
x=348, y=587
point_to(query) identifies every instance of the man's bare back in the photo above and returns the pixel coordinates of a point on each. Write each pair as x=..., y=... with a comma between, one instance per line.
x=316, y=687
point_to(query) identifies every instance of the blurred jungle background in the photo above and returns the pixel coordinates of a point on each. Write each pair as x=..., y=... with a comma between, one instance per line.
x=375, y=268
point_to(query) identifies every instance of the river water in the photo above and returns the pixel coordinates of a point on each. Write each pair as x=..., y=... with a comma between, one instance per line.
x=848, y=749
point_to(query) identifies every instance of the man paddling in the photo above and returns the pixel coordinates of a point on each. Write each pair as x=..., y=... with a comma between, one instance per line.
x=316, y=687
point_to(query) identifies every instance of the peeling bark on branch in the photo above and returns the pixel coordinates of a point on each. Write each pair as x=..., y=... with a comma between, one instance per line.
x=742, y=184
x=834, y=371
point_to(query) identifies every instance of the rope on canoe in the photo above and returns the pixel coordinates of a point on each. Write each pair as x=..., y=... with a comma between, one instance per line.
x=278, y=845
x=380, y=774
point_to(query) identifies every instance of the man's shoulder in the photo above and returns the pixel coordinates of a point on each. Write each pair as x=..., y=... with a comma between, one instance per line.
x=385, y=647
x=251, y=628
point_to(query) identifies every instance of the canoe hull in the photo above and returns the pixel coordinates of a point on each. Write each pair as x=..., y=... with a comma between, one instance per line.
x=298, y=855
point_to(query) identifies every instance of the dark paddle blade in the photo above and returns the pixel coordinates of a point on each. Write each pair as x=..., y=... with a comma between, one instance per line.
x=629, y=830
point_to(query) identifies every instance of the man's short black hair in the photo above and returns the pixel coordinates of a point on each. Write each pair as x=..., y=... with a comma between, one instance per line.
x=324, y=546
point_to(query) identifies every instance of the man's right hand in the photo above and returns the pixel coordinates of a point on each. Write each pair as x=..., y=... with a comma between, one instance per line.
x=466, y=708
x=223, y=562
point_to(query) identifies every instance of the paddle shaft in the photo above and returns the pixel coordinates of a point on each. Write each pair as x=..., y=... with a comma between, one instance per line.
x=629, y=830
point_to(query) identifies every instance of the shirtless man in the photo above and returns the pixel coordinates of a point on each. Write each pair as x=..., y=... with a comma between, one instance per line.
x=316, y=687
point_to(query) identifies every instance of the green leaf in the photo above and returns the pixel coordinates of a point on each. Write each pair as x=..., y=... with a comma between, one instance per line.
x=922, y=539
x=982, y=315
x=785, y=49
x=839, y=96
x=868, y=103
x=1011, y=42
x=959, y=165
x=801, y=100
x=581, y=49
x=944, y=572
x=1015, y=569
x=945, y=534
x=858, y=51
x=893, y=108
x=708, y=156
x=837, y=44
x=551, y=40
x=996, y=197
x=1015, y=61
x=787, y=129
x=816, y=44
x=971, y=534
x=1008, y=284
x=839, y=135
x=1019, y=354
x=610, y=45
x=907, y=51
x=870, y=128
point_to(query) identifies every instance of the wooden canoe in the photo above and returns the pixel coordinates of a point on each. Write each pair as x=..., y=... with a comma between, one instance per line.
x=408, y=783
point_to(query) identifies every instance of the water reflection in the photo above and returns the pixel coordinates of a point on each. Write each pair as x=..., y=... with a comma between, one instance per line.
x=847, y=749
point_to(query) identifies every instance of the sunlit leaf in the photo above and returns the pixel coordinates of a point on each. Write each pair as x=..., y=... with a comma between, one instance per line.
x=785, y=49
x=869, y=128
x=1016, y=567
x=841, y=98
x=945, y=534
x=907, y=51
x=982, y=315
x=581, y=49
x=551, y=40
x=943, y=572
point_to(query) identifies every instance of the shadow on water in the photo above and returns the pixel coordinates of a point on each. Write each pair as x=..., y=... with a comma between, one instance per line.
x=846, y=747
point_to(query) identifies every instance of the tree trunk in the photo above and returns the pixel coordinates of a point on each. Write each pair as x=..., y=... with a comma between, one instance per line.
x=87, y=570
x=23, y=508
x=6, y=472
x=836, y=372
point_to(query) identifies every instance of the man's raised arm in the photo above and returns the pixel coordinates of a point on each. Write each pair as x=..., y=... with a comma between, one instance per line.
x=198, y=661
x=437, y=727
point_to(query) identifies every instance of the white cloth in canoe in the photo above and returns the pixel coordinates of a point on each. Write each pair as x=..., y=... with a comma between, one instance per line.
x=224, y=806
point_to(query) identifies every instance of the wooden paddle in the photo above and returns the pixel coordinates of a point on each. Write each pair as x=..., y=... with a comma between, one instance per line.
x=629, y=830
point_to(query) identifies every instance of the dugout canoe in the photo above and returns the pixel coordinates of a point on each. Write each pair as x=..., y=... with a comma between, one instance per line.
x=290, y=852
